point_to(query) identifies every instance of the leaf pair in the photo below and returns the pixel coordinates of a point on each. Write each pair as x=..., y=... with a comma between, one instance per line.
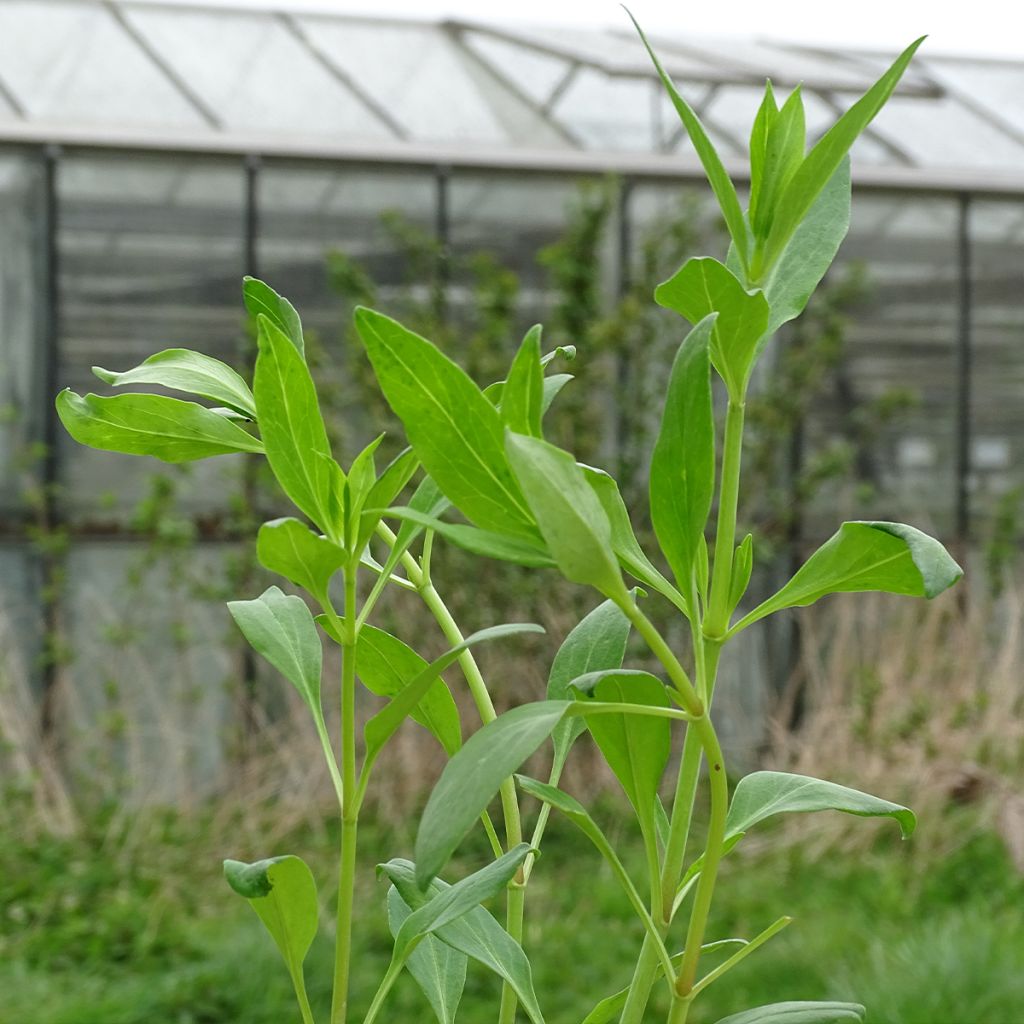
x=439, y=963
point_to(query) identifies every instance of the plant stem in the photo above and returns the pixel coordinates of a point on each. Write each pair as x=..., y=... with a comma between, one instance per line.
x=516, y=901
x=350, y=811
x=716, y=622
x=712, y=855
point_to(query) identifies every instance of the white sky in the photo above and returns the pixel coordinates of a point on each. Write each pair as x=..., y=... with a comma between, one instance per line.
x=980, y=27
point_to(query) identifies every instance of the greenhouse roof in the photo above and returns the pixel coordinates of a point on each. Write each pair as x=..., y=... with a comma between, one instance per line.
x=135, y=74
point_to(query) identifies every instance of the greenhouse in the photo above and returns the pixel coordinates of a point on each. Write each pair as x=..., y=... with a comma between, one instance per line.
x=151, y=155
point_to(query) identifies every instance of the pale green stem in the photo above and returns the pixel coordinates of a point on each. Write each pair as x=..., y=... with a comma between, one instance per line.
x=716, y=622
x=305, y=1009
x=740, y=955
x=516, y=900
x=350, y=810
x=393, y=971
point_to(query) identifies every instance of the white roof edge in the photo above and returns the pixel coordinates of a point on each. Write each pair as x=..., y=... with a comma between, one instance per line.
x=500, y=160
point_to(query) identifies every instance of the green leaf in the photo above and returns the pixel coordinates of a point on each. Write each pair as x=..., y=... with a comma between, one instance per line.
x=823, y=160
x=568, y=512
x=382, y=726
x=683, y=462
x=439, y=970
x=759, y=135
x=282, y=892
x=180, y=369
x=787, y=139
x=384, y=491
x=292, y=428
x=810, y=252
x=261, y=300
x=624, y=543
x=705, y=286
x=473, y=776
x=293, y=550
x=166, y=428
x=721, y=184
x=386, y=666
x=597, y=642
x=476, y=934
x=551, y=389
x=452, y=902
x=280, y=627
x=636, y=747
x=742, y=567
x=762, y=794
x=799, y=1013
x=522, y=398
x=860, y=556
x=456, y=432
x=518, y=550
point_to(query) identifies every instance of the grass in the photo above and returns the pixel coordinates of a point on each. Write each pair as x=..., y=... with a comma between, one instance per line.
x=100, y=930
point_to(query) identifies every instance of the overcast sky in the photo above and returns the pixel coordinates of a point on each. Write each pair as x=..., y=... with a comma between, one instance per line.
x=986, y=27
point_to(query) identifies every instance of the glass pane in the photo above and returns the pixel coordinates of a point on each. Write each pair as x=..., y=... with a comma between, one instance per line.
x=150, y=258
x=997, y=365
x=20, y=633
x=21, y=407
x=256, y=73
x=150, y=693
x=330, y=239
x=881, y=438
x=72, y=63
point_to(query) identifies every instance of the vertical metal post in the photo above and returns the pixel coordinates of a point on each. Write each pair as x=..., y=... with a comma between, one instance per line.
x=623, y=283
x=442, y=231
x=51, y=562
x=250, y=257
x=962, y=509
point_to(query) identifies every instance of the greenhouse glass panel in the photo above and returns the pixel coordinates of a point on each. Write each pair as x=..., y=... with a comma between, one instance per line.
x=20, y=632
x=881, y=440
x=21, y=405
x=997, y=364
x=153, y=686
x=329, y=239
x=151, y=257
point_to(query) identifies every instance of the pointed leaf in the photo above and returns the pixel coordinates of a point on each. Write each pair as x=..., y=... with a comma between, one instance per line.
x=636, y=747
x=887, y=557
x=166, y=428
x=758, y=148
x=704, y=286
x=439, y=970
x=473, y=776
x=456, y=432
x=522, y=398
x=568, y=512
x=261, y=300
x=683, y=462
x=386, y=666
x=293, y=550
x=762, y=794
x=519, y=551
x=742, y=567
x=292, y=428
x=382, y=726
x=822, y=161
x=597, y=642
x=183, y=370
x=799, y=1013
x=384, y=491
x=721, y=184
x=787, y=139
x=624, y=543
x=476, y=934
x=810, y=252
x=452, y=902
x=280, y=627
x=282, y=892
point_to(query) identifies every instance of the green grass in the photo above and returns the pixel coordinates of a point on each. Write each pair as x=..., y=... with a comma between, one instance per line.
x=93, y=934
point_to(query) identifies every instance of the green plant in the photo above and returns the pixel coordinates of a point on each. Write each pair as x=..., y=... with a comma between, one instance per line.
x=526, y=501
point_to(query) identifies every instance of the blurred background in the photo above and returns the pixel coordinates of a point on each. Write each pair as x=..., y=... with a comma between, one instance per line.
x=472, y=175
